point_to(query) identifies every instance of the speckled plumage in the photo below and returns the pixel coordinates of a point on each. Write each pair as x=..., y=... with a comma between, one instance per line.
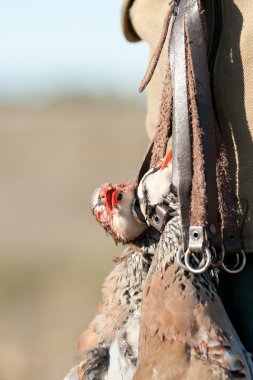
x=156, y=320
x=185, y=331
x=108, y=347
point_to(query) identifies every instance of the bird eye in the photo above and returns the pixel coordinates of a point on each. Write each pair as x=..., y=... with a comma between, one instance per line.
x=119, y=197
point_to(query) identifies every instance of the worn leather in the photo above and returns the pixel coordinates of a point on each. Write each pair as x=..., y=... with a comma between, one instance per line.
x=232, y=79
x=205, y=110
x=182, y=165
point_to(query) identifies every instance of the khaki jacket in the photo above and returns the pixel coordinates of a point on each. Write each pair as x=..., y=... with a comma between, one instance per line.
x=231, y=76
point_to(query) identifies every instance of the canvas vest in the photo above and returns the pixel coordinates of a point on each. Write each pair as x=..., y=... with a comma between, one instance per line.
x=230, y=52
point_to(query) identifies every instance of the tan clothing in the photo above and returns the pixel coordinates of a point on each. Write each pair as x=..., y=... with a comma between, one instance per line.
x=232, y=79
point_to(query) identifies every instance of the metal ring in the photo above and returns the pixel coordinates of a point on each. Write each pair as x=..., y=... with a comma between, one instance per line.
x=213, y=256
x=237, y=269
x=199, y=262
x=179, y=258
x=202, y=268
x=237, y=262
x=218, y=262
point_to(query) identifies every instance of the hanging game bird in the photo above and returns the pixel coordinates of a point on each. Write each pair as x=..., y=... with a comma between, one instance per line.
x=185, y=333
x=108, y=347
x=184, y=330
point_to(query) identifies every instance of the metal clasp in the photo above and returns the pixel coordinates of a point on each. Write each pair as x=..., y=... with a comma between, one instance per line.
x=160, y=217
x=196, y=239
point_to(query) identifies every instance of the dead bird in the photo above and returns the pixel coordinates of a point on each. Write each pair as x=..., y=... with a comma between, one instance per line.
x=185, y=331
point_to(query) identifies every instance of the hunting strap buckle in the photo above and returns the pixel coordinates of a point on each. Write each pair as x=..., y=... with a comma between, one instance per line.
x=160, y=217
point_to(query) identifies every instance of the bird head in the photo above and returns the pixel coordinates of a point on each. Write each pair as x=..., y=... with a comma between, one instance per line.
x=112, y=206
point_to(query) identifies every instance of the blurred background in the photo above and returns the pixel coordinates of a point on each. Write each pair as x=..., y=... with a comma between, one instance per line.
x=70, y=119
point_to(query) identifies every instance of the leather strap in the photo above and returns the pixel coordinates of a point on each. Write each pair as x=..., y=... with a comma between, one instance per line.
x=182, y=165
x=145, y=166
x=188, y=22
x=206, y=118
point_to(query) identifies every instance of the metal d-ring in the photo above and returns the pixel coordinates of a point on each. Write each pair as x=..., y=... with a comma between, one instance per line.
x=237, y=261
x=238, y=268
x=202, y=268
x=215, y=262
x=179, y=258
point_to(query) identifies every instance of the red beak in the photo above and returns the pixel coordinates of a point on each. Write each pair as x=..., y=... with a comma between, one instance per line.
x=106, y=194
x=115, y=197
x=106, y=187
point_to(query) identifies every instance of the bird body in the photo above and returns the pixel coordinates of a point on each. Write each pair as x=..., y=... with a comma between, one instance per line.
x=108, y=347
x=176, y=328
x=185, y=331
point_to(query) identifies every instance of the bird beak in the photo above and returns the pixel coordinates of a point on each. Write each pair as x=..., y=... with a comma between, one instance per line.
x=115, y=197
x=105, y=188
x=106, y=195
x=167, y=159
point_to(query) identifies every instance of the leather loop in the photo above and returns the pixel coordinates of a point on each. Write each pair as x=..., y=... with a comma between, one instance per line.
x=182, y=165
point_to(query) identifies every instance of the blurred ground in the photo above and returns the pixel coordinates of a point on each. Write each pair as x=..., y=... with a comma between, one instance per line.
x=53, y=255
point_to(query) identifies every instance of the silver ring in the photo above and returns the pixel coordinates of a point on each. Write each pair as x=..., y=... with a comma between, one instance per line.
x=239, y=267
x=200, y=269
x=179, y=258
x=217, y=263
x=237, y=262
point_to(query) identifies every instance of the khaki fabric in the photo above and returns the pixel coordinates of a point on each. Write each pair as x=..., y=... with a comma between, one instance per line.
x=233, y=81
x=147, y=18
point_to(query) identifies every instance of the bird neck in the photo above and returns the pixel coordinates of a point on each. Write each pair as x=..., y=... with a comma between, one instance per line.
x=148, y=242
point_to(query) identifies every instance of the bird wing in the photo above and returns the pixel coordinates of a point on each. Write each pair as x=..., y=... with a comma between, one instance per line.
x=116, y=320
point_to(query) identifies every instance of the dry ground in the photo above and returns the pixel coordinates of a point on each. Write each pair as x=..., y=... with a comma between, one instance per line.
x=53, y=254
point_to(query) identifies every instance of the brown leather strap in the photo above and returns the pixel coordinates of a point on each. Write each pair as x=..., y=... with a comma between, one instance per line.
x=229, y=224
x=158, y=146
x=169, y=19
x=145, y=166
x=191, y=92
x=181, y=140
x=205, y=111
